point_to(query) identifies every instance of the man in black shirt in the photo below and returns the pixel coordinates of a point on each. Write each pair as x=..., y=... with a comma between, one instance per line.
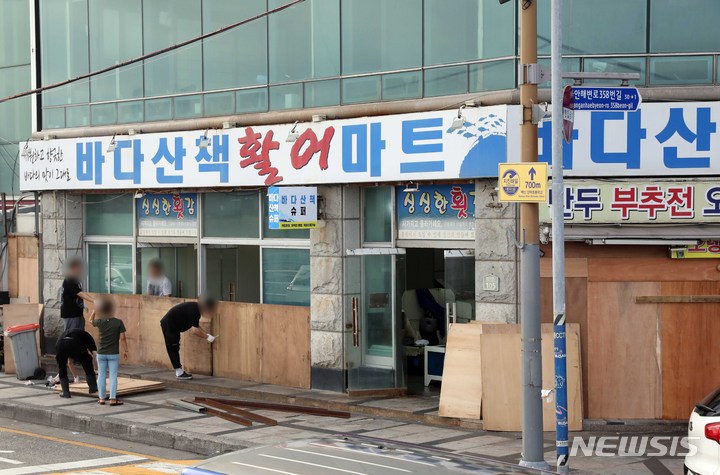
x=181, y=318
x=72, y=296
x=78, y=345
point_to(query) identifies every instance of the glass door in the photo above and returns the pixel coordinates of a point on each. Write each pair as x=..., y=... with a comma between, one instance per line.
x=460, y=280
x=372, y=308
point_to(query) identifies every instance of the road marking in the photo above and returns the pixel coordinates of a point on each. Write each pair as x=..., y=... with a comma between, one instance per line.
x=285, y=459
x=80, y=464
x=10, y=461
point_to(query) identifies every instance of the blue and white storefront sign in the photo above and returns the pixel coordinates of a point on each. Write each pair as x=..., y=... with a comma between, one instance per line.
x=611, y=99
x=292, y=207
x=659, y=139
x=422, y=146
x=167, y=214
x=444, y=212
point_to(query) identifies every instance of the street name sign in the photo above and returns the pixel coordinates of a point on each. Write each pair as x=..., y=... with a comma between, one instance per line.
x=523, y=182
x=609, y=99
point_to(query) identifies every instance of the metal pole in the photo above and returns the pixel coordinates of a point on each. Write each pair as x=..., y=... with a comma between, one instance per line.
x=532, y=418
x=558, y=244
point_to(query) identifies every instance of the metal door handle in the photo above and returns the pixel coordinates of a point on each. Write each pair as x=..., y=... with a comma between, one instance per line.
x=355, y=320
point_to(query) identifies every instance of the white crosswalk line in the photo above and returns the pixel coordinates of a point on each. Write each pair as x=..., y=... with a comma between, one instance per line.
x=80, y=464
x=10, y=461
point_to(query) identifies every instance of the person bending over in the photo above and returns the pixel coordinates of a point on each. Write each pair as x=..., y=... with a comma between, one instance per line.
x=181, y=318
x=78, y=345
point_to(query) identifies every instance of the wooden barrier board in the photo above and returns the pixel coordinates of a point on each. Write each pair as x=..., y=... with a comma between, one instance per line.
x=461, y=390
x=126, y=387
x=18, y=314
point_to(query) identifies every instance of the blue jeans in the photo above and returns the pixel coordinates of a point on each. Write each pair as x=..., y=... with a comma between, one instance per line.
x=113, y=363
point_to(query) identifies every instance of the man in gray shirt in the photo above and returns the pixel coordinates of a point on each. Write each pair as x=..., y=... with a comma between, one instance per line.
x=158, y=285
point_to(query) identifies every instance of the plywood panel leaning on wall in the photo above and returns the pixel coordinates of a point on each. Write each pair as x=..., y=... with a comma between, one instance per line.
x=461, y=391
x=18, y=314
x=286, y=346
x=238, y=350
x=23, y=267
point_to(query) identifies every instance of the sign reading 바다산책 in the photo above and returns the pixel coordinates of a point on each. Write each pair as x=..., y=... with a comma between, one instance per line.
x=445, y=212
x=422, y=146
x=292, y=207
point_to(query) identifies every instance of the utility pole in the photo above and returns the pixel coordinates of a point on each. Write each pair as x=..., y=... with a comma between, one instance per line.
x=532, y=418
x=558, y=243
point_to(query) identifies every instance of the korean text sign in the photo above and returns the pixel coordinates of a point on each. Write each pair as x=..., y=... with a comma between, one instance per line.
x=378, y=149
x=292, y=207
x=167, y=214
x=659, y=139
x=444, y=212
x=639, y=201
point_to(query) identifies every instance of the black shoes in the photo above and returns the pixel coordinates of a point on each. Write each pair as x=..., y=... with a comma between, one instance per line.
x=65, y=385
x=185, y=376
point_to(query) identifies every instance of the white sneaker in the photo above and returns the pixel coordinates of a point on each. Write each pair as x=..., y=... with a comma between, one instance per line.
x=76, y=379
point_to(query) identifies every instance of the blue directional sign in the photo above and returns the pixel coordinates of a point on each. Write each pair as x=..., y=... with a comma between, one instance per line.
x=610, y=99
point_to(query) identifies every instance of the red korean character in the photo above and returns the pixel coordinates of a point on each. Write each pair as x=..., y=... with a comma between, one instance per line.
x=459, y=201
x=624, y=201
x=652, y=200
x=300, y=157
x=713, y=247
x=178, y=206
x=256, y=153
x=699, y=247
x=680, y=200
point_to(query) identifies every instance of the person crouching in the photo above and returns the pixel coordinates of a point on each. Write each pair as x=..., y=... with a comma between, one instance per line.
x=78, y=345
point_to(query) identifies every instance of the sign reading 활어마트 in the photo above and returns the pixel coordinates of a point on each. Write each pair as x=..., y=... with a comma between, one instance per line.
x=439, y=212
x=659, y=139
x=420, y=146
x=292, y=207
x=622, y=202
x=167, y=214
x=701, y=250
x=523, y=182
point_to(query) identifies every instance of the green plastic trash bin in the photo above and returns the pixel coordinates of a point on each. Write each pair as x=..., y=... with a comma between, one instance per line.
x=24, y=349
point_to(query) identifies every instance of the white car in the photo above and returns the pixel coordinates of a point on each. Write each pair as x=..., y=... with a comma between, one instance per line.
x=704, y=435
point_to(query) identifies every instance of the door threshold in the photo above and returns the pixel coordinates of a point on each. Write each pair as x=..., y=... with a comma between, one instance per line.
x=391, y=392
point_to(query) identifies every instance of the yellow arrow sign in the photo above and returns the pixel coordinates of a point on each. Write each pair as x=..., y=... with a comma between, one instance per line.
x=523, y=182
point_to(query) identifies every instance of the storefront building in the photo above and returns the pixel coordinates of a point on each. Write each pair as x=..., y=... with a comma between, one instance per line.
x=172, y=160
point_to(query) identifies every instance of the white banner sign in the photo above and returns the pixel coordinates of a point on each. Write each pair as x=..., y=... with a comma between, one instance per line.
x=423, y=146
x=663, y=139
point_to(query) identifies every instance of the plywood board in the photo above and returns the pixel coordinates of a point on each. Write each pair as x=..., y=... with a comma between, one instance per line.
x=238, y=350
x=461, y=390
x=651, y=270
x=502, y=381
x=574, y=267
x=623, y=351
x=690, y=367
x=286, y=346
x=126, y=387
x=18, y=314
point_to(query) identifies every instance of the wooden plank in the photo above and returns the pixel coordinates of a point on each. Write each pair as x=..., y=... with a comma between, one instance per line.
x=574, y=267
x=27, y=285
x=18, y=314
x=237, y=353
x=270, y=406
x=623, y=351
x=12, y=258
x=286, y=346
x=126, y=387
x=229, y=417
x=461, y=390
x=651, y=270
x=678, y=298
x=690, y=367
x=238, y=412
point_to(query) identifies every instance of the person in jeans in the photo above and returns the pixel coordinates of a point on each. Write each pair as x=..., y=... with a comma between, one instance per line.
x=72, y=301
x=112, y=333
x=181, y=318
x=78, y=345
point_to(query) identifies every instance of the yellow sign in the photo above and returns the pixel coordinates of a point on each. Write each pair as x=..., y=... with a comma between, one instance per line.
x=523, y=182
x=701, y=250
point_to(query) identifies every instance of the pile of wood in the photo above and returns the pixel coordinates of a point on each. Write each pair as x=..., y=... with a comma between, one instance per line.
x=234, y=410
x=126, y=387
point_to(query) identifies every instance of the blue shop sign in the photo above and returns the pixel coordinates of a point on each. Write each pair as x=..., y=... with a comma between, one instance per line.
x=437, y=212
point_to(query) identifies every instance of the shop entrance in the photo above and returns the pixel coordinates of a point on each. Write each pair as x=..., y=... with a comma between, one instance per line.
x=396, y=298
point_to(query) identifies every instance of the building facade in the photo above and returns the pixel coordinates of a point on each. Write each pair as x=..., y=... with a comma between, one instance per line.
x=389, y=79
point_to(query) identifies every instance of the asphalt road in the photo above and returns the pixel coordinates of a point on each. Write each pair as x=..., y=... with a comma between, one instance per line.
x=28, y=449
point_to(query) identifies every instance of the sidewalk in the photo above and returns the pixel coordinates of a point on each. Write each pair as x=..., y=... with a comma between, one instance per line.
x=148, y=418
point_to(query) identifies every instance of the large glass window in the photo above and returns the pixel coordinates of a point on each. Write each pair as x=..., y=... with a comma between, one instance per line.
x=110, y=268
x=14, y=115
x=377, y=214
x=167, y=22
x=286, y=276
x=109, y=215
x=304, y=40
x=381, y=35
x=235, y=273
x=465, y=30
x=684, y=26
x=179, y=264
x=115, y=36
x=238, y=57
x=14, y=36
x=232, y=215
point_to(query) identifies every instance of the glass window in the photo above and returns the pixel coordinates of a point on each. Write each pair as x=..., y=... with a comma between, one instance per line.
x=377, y=214
x=304, y=40
x=466, y=30
x=158, y=109
x=681, y=70
x=115, y=36
x=53, y=118
x=179, y=266
x=401, y=85
x=77, y=116
x=8, y=179
x=362, y=89
x=614, y=65
x=109, y=215
x=220, y=103
x=235, y=275
x=684, y=26
x=568, y=65
x=121, y=269
x=14, y=24
x=492, y=76
x=130, y=112
x=286, y=97
x=378, y=35
x=225, y=62
x=187, y=107
x=15, y=114
x=322, y=93
x=232, y=215
x=103, y=114
x=589, y=26
x=286, y=276
x=167, y=22
x=64, y=49
x=98, y=268
x=446, y=81
x=251, y=100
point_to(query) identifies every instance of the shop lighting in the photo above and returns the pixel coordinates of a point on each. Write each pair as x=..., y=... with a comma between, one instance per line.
x=204, y=141
x=459, y=121
x=113, y=145
x=139, y=194
x=293, y=135
x=645, y=242
x=411, y=188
